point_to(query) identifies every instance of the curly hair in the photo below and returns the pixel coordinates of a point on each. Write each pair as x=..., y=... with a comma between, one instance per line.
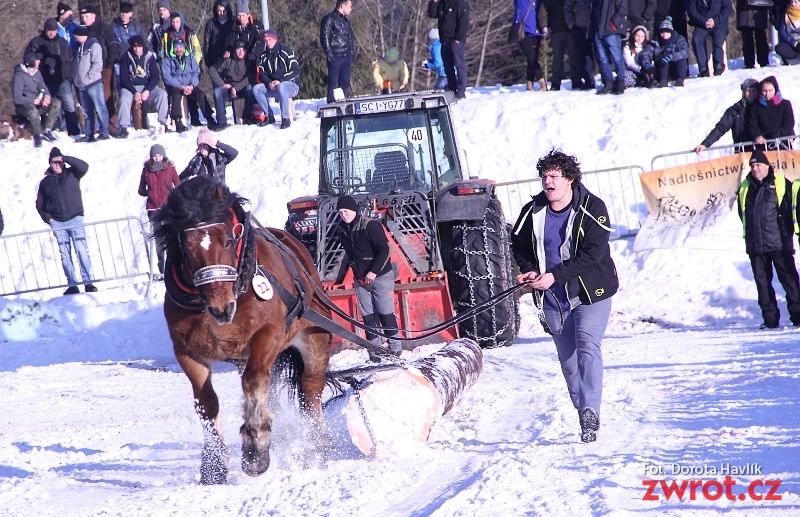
x=557, y=160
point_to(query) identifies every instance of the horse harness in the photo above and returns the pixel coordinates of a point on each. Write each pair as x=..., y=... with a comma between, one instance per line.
x=245, y=257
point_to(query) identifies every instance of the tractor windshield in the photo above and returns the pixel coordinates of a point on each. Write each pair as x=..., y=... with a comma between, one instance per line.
x=383, y=152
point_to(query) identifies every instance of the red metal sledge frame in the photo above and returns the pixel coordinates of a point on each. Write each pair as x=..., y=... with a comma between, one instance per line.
x=420, y=301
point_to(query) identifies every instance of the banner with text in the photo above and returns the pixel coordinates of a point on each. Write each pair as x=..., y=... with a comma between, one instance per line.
x=694, y=206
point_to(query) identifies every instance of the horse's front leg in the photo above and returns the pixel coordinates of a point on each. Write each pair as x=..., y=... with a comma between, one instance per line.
x=316, y=353
x=214, y=464
x=256, y=430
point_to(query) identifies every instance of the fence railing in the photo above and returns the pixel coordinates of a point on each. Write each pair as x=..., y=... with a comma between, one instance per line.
x=118, y=250
x=618, y=187
x=677, y=159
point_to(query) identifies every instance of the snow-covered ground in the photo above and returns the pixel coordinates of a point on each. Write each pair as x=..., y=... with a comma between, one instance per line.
x=97, y=418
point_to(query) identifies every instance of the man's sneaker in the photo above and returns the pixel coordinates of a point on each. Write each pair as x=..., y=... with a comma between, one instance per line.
x=49, y=136
x=679, y=83
x=103, y=137
x=765, y=326
x=219, y=127
x=90, y=288
x=703, y=73
x=122, y=133
x=590, y=423
x=37, y=140
x=73, y=289
x=271, y=118
x=179, y=127
x=90, y=139
x=285, y=122
x=719, y=69
x=264, y=123
x=196, y=122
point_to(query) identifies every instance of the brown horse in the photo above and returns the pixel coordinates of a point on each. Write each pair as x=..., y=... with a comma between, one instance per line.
x=221, y=306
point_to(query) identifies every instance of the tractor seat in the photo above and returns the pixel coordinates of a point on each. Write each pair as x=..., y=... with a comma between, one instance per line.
x=391, y=168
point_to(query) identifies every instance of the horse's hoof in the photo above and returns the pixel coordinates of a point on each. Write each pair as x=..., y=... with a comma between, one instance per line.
x=253, y=464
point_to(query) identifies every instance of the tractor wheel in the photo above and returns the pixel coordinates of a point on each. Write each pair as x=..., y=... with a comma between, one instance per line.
x=481, y=267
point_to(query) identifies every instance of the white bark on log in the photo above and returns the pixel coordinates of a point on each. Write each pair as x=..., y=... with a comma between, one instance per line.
x=395, y=407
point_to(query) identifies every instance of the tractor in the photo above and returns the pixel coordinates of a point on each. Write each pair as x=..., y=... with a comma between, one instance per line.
x=397, y=155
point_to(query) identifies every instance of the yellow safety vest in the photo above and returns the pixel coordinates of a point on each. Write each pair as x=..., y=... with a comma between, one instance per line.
x=780, y=191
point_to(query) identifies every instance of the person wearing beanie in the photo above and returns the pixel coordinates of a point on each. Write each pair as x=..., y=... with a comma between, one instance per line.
x=60, y=205
x=211, y=158
x=66, y=25
x=139, y=75
x=179, y=32
x=32, y=99
x=435, y=63
x=735, y=120
x=56, y=68
x=245, y=29
x=367, y=254
x=217, y=30
x=453, y=23
x=230, y=78
x=181, y=74
x=158, y=179
x=337, y=41
x=764, y=203
x=88, y=81
x=665, y=56
x=160, y=27
x=390, y=68
x=125, y=26
x=771, y=117
x=279, y=72
x=709, y=18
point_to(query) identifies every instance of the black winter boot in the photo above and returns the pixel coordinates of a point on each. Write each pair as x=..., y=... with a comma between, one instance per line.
x=608, y=87
x=619, y=86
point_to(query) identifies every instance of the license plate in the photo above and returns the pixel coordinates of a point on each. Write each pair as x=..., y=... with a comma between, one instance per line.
x=379, y=106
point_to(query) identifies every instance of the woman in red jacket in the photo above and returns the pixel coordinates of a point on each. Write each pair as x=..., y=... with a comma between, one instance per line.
x=159, y=177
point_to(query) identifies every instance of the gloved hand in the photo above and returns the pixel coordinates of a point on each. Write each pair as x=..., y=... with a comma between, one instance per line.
x=649, y=68
x=666, y=60
x=424, y=64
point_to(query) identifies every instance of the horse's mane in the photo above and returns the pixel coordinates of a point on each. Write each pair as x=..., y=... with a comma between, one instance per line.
x=200, y=200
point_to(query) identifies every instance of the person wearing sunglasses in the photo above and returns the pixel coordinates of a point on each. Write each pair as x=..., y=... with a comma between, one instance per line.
x=560, y=243
x=60, y=205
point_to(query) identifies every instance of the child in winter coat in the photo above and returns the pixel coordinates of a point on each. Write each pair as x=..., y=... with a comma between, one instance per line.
x=665, y=56
x=390, y=68
x=159, y=177
x=435, y=63
x=635, y=45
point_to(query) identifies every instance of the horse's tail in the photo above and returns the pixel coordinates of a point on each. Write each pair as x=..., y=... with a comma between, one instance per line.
x=289, y=366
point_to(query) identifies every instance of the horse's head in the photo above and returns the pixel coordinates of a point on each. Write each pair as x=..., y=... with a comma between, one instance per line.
x=212, y=252
x=203, y=229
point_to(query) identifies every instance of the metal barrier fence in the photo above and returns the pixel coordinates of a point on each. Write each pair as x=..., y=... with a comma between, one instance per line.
x=118, y=250
x=618, y=187
x=665, y=161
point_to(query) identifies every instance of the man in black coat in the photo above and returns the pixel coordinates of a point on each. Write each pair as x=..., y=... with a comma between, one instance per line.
x=216, y=32
x=367, y=253
x=562, y=43
x=56, y=69
x=336, y=38
x=578, y=18
x=734, y=120
x=765, y=208
x=453, y=24
x=709, y=18
x=60, y=205
x=771, y=116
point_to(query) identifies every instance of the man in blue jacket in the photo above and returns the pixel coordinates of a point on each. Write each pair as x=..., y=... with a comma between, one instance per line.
x=560, y=243
x=435, y=62
x=709, y=18
x=182, y=78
